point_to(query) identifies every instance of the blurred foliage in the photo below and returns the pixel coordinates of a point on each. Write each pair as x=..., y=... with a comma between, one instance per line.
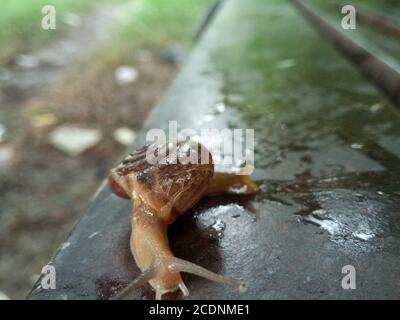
x=155, y=22
x=20, y=23
x=86, y=94
x=146, y=23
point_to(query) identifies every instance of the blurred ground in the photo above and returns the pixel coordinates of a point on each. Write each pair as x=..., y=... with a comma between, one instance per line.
x=104, y=71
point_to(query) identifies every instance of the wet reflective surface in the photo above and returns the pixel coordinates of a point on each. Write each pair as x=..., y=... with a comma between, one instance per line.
x=327, y=162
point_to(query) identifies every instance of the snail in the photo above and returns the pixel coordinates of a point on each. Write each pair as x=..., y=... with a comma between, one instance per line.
x=161, y=191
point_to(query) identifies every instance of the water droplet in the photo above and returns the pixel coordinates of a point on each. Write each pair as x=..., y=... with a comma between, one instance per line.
x=65, y=245
x=329, y=225
x=219, y=226
x=363, y=236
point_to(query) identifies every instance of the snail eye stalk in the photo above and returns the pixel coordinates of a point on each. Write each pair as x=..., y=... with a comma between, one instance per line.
x=141, y=280
x=180, y=265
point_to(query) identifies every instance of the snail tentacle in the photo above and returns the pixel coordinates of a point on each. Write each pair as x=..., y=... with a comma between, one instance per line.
x=180, y=265
x=159, y=294
x=184, y=289
x=139, y=281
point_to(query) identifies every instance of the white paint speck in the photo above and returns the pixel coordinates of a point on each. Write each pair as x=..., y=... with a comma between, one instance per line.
x=93, y=235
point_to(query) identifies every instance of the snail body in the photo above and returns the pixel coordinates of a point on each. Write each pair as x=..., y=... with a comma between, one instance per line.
x=160, y=192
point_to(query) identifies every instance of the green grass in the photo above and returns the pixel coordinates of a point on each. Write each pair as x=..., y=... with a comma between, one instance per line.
x=156, y=22
x=148, y=24
x=20, y=23
x=153, y=24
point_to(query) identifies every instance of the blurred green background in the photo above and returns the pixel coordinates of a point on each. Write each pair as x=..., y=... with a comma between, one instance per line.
x=71, y=101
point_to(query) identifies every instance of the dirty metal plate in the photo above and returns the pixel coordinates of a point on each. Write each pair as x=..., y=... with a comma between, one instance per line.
x=327, y=162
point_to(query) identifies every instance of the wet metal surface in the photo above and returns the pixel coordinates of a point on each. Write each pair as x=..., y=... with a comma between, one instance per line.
x=377, y=65
x=327, y=161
